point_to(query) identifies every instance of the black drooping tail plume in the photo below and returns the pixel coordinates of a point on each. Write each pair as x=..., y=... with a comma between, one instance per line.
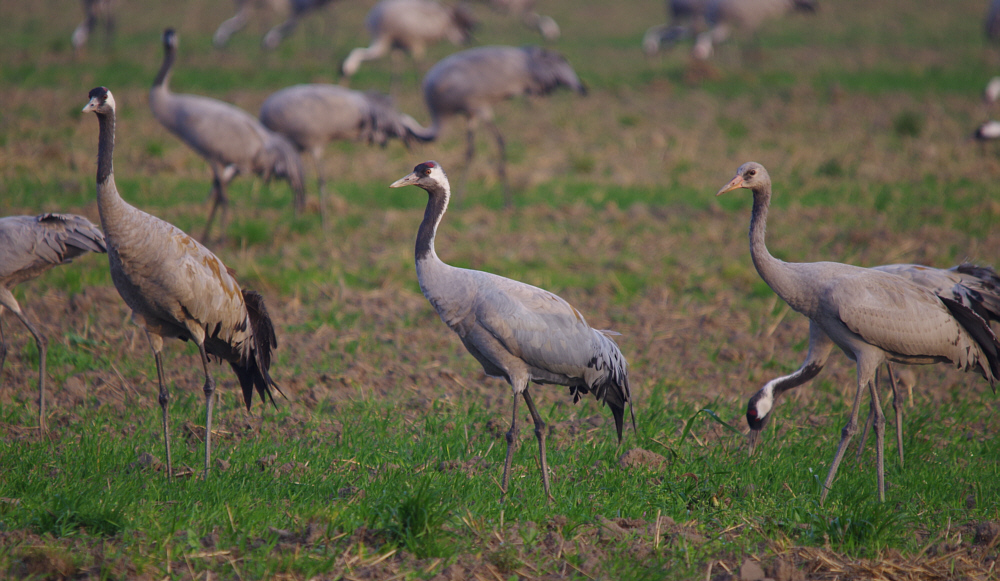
x=254, y=372
x=982, y=334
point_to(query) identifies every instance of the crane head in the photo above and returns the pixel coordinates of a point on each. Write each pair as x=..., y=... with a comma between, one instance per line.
x=750, y=175
x=425, y=175
x=170, y=39
x=101, y=101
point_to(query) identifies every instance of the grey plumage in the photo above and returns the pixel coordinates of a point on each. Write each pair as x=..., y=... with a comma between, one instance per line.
x=310, y=116
x=231, y=140
x=410, y=26
x=296, y=10
x=976, y=287
x=516, y=331
x=875, y=317
x=177, y=288
x=472, y=82
x=93, y=11
x=723, y=17
x=525, y=11
x=993, y=21
x=29, y=246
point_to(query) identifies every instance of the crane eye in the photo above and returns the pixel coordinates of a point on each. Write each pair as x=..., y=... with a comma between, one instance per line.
x=427, y=171
x=752, y=172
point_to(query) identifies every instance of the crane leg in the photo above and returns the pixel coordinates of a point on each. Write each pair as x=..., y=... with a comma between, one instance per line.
x=502, y=165
x=156, y=345
x=42, y=344
x=540, y=436
x=849, y=430
x=274, y=36
x=321, y=182
x=511, y=435
x=470, y=152
x=879, y=427
x=868, y=425
x=209, y=391
x=216, y=197
x=897, y=406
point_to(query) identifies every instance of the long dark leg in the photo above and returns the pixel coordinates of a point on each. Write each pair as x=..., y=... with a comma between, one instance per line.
x=879, y=427
x=868, y=425
x=209, y=391
x=216, y=196
x=502, y=165
x=164, y=399
x=42, y=344
x=849, y=430
x=897, y=405
x=540, y=436
x=322, y=188
x=511, y=435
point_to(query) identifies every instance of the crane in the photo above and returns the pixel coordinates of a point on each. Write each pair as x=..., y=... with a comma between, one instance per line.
x=29, y=246
x=516, y=331
x=874, y=317
x=177, y=288
x=296, y=10
x=231, y=140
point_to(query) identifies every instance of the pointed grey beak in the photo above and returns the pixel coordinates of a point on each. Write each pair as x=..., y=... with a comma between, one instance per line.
x=408, y=180
x=736, y=182
x=753, y=438
x=90, y=106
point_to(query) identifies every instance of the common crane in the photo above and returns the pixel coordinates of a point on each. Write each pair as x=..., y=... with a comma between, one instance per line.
x=525, y=10
x=874, y=317
x=29, y=246
x=687, y=18
x=94, y=10
x=471, y=82
x=516, y=331
x=177, y=288
x=725, y=16
x=296, y=10
x=231, y=140
x=310, y=116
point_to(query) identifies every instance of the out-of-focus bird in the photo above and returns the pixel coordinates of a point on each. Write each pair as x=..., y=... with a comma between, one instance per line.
x=410, y=26
x=94, y=10
x=723, y=17
x=310, y=116
x=687, y=19
x=177, y=288
x=516, y=331
x=231, y=140
x=874, y=317
x=525, y=10
x=29, y=246
x=296, y=10
x=471, y=82
x=987, y=131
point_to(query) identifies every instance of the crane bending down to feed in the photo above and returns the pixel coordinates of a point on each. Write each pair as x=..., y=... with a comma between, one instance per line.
x=516, y=331
x=94, y=10
x=725, y=16
x=874, y=317
x=410, y=26
x=471, y=82
x=310, y=116
x=296, y=10
x=976, y=287
x=231, y=140
x=177, y=288
x=687, y=18
x=29, y=246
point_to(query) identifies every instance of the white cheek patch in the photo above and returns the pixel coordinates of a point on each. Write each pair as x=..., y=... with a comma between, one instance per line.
x=763, y=407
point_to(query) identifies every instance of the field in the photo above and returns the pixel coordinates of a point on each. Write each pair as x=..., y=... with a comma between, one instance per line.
x=385, y=458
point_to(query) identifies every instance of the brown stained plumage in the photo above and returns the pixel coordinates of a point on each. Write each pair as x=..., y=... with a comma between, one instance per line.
x=874, y=317
x=178, y=288
x=29, y=246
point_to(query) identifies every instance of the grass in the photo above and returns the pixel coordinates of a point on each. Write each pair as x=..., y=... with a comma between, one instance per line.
x=386, y=457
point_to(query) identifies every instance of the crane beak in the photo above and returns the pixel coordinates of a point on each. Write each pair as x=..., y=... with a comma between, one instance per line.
x=409, y=180
x=753, y=438
x=736, y=182
x=90, y=106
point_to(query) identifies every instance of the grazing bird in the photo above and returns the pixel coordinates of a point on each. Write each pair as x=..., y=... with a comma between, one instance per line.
x=725, y=16
x=310, y=116
x=177, y=288
x=976, y=287
x=296, y=10
x=231, y=140
x=687, y=18
x=29, y=246
x=471, y=82
x=987, y=131
x=410, y=26
x=525, y=10
x=992, y=91
x=94, y=10
x=516, y=331
x=875, y=317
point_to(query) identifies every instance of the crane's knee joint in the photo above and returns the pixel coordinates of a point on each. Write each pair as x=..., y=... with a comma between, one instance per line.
x=164, y=399
x=510, y=436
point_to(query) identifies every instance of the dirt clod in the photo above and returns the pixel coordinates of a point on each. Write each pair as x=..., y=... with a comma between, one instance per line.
x=987, y=533
x=146, y=461
x=639, y=458
x=782, y=570
x=751, y=571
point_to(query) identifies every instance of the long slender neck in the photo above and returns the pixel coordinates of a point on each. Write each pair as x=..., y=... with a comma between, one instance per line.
x=783, y=278
x=163, y=77
x=437, y=203
x=109, y=203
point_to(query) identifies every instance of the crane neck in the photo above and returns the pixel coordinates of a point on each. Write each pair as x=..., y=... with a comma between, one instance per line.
x=163, y=77
x=438, y=196
x=776, y=273
x=109, y=202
